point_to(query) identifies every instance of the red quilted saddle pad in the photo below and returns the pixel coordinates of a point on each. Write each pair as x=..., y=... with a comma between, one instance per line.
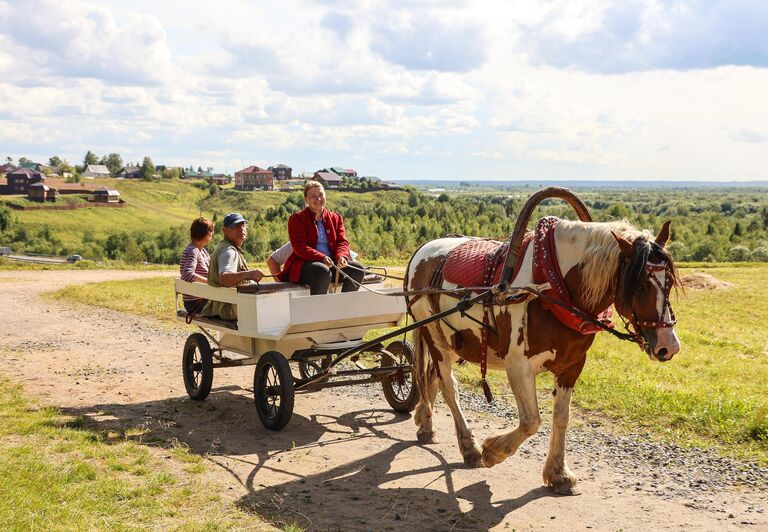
x=467, y=263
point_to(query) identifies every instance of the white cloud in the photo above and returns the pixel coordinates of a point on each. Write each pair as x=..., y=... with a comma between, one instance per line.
x=588, y=88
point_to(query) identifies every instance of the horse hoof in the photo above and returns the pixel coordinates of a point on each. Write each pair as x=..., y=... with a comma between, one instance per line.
x=474, y=460
x=426, y=437
x=490, y=459
x=566, y=489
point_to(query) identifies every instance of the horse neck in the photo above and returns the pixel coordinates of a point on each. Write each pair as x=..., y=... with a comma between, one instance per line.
x=572, y=253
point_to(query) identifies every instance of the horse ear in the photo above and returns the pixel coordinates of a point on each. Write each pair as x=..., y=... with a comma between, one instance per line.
x=626, y=246
x=663, y=235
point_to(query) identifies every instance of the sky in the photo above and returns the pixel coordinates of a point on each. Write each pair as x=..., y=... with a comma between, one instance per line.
x=401, y=89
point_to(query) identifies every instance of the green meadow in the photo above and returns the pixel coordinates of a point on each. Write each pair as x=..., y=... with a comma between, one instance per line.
x=57, y=474
x=711, y=394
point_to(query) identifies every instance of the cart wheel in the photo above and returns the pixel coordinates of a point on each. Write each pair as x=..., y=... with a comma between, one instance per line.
x=197, y=367
x=400, y=390
x=308, y=369
x=273, y=390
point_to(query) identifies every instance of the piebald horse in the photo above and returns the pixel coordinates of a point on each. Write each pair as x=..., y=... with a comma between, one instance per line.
x=602, y=264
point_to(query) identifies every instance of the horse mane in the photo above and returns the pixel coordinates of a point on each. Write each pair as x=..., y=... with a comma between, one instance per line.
x=602, y=255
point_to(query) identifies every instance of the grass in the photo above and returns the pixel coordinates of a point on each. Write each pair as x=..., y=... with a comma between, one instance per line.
x=711, y=394
x=150, y=207
x=59, y=475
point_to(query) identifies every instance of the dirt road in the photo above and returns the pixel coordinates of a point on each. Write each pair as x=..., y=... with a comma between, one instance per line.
x=346, y=461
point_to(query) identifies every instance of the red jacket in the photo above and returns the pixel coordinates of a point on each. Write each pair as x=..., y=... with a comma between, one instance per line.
x=302, y=232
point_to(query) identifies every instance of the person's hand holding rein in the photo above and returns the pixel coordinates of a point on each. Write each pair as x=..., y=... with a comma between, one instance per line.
x=341, y=262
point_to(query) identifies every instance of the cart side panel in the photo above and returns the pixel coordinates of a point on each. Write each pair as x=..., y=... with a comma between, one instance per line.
x=350, y=309
x=263, y=313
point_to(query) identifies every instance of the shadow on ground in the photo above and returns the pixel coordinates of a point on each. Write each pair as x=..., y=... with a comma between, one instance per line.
x=386, y=484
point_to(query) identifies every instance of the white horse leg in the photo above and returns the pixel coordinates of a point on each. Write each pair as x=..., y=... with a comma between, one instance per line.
x=468, y=446
x=556, y=471
x=426, y=377
x=522, y=379
x=449, y=387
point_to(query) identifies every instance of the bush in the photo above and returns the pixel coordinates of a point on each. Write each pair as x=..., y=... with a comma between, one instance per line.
x=760, y=254
x=739, y=254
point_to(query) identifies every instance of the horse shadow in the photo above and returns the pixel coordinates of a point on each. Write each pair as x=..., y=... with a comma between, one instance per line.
x=362, y=492
x=226, y=430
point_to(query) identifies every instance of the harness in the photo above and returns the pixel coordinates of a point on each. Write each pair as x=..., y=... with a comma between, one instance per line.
x=481, y=260
x=650, y=269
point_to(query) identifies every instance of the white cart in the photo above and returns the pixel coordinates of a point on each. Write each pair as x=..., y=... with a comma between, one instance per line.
x=280, y=323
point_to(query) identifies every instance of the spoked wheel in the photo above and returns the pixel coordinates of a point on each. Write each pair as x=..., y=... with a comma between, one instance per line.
x=273, y=390
x=400, y=389
x=197, y=367
x=310, y=368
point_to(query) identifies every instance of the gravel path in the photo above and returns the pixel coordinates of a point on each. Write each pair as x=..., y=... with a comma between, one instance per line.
x=345, y=461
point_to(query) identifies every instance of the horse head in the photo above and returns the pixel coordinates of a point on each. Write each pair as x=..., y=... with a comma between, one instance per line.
x=645, y=278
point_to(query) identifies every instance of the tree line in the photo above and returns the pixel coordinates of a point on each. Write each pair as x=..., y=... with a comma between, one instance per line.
x=707, y=224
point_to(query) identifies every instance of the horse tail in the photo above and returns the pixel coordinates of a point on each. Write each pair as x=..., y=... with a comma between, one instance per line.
x=422, y=367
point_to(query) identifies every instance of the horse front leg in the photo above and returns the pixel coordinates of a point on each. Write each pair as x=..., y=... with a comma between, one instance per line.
x=522, y=379
x=556, y=471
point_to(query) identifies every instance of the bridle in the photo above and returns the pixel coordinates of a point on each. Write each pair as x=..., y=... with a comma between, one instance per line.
x=650, y=269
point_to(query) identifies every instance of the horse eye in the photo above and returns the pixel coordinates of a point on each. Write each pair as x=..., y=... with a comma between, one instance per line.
x=641, y=289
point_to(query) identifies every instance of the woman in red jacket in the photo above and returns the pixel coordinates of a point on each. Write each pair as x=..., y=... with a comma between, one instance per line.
x=319, y=241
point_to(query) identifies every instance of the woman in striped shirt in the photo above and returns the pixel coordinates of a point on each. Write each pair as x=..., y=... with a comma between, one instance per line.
x=195, y=260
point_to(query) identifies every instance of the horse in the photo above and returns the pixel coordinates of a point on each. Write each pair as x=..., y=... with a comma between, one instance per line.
x=604, y=264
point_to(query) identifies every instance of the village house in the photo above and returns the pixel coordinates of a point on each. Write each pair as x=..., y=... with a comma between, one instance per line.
x=20, y=179
x=96, y=170
x=129, y=172
x=281, y=171
x=254, y=178
x=41, y=192
x=328, y=179
x=220, y=179
x=344, y=172
x=7, y=168
x=106, y=195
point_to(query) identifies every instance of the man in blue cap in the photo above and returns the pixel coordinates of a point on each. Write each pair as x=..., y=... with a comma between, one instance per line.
x=228, y=267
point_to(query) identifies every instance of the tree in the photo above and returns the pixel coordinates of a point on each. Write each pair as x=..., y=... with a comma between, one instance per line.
x=54, y=161
x=23, y=160
x=113, y=162
x=5, y=219
x=9, y=159
x=90, y=158
x=147, y=169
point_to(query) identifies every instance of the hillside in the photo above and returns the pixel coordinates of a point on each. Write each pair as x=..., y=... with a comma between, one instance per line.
x=708, y=223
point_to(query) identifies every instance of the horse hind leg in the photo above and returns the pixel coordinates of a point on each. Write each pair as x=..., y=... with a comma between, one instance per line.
x=426, y=377
x=468, y=446
x=556, y=471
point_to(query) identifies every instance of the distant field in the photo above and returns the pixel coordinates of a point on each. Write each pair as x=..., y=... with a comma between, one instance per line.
x=710, y=394
x=150, y=207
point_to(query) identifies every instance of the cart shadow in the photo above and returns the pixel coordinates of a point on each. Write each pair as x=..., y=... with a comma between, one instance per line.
x=371, y=493
x=224, y=424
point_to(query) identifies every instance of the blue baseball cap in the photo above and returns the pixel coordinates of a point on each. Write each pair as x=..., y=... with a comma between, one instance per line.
x=233, y=218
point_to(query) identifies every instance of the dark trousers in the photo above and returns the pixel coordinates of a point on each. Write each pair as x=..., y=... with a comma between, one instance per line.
x=319, y=276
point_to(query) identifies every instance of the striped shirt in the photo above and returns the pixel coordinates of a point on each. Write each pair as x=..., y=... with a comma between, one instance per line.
x=194, y=261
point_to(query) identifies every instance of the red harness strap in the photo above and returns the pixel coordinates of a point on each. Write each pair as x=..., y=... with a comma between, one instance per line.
x=547, y=269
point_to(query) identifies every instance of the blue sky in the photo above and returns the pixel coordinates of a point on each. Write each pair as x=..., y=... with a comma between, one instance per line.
x=419, y=89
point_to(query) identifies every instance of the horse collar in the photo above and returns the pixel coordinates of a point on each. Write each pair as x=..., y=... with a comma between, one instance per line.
x=547, y=269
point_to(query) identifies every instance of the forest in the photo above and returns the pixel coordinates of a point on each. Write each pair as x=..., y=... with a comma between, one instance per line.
x=708, y=224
